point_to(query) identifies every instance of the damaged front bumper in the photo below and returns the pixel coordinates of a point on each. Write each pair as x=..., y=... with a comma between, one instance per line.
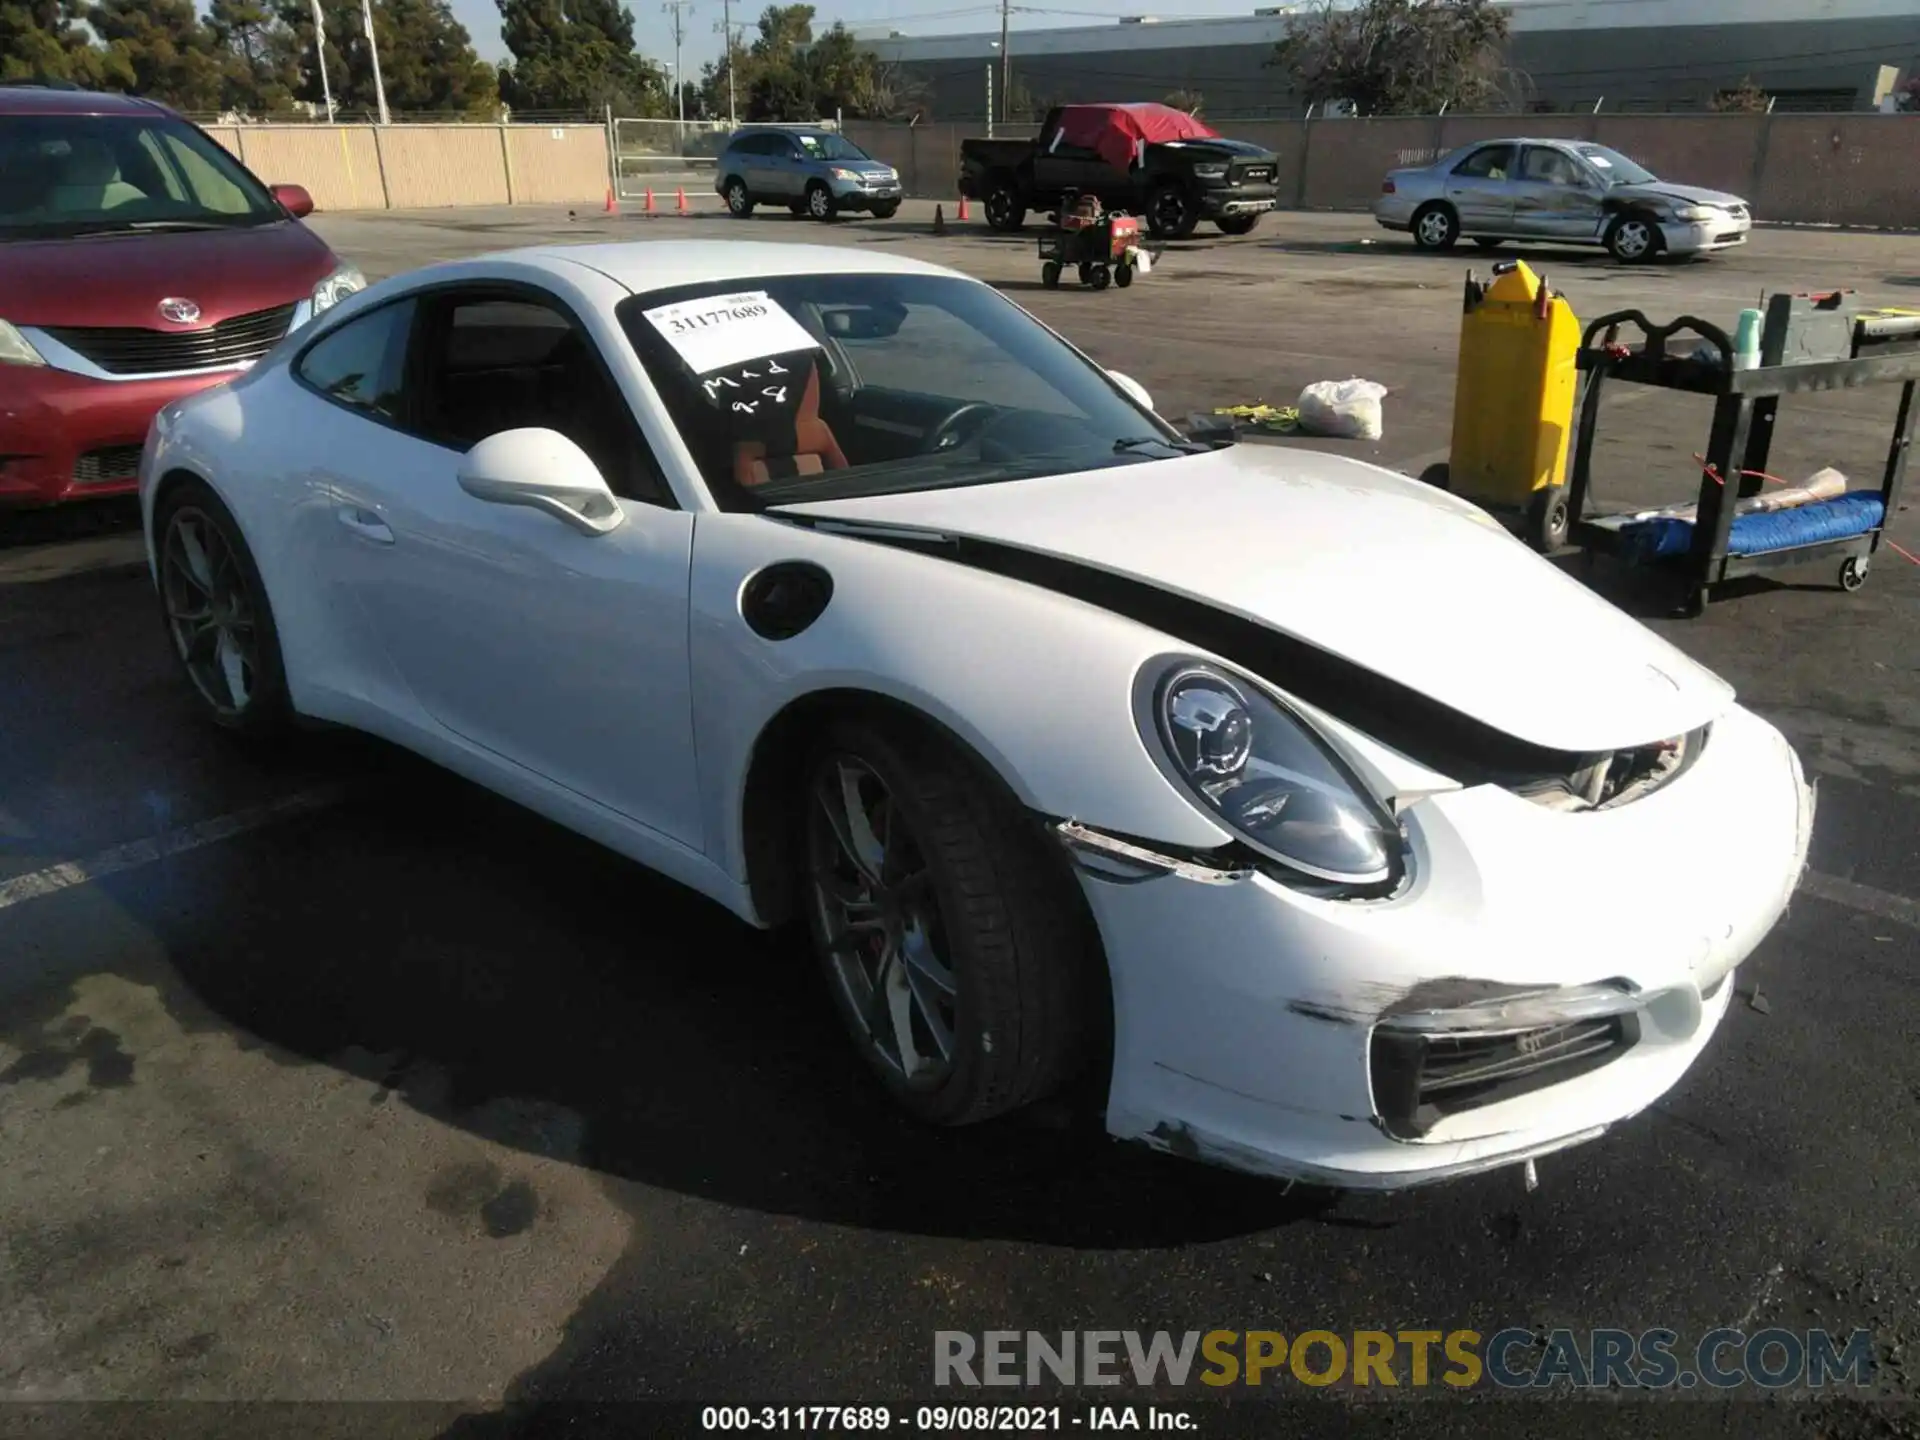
x=1543, y=976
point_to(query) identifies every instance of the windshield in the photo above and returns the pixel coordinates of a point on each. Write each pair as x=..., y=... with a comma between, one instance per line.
x=71, y=175
x=829, y=147
x=1615, y=168
x=825, y=387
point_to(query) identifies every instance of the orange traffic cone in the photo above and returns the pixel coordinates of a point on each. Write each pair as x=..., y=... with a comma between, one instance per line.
x=649, y=209
x=680, y=201
x=963, y=207
x=613, y=207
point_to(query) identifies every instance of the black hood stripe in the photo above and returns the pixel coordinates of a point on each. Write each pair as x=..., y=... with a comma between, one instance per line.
x=1422, y=728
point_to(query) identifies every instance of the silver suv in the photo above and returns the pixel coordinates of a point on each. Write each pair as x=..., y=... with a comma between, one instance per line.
x=810, y=171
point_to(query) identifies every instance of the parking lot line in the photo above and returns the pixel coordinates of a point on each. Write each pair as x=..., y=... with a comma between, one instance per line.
x=138, y=853
x=1865, y=898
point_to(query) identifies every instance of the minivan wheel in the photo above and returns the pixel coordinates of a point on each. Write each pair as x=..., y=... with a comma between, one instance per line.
x=739, y=203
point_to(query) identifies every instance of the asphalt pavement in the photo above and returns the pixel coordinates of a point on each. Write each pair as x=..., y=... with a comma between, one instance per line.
x=331, y=1079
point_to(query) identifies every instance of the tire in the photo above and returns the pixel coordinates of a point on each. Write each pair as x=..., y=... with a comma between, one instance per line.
x=1004, y=209
x=1050, y=274
x=1238, y=224
x=1005, y=949
x=1171, y=213
x=1102, y=277
x=191, y=519
x=1436, y=227
x=820, y=203
x=1488, y=242
x=886, y=212
x=1439, y=476
x=1086, y=274
x=1548, y=519
x=739, y=202
x=1123, y=275
x=1634, y=239
x=1853, y=573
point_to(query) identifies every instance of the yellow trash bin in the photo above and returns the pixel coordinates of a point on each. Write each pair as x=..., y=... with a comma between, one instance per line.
x=1513, y=401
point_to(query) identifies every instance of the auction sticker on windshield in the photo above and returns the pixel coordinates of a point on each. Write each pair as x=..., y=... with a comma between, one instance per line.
x=723, y=330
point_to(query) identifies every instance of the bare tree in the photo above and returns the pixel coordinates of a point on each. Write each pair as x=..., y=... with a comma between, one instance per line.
x=1399, y=57
x=1191, y=101
x=1746, y=97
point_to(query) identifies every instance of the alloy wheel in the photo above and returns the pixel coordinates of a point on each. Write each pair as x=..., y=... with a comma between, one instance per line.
x=210, y=611
x=1170, y=210
x=1436, y=228
x=1633, y=239
x=880, y=923
x=819, y=203
x=737, y=198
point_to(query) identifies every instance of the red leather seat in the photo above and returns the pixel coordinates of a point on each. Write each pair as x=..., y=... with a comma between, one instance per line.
x=815, y=448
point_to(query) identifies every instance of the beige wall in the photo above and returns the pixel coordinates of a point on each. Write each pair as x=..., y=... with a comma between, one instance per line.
x=368, y=167
x=1800, y=169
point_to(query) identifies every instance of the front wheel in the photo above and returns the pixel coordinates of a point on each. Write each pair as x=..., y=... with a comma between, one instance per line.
x=1436, y=227
x=1238, y=224
x=1004, y=209
x=1123, y=274
x=951, y=941
x=739, y=202
x=218, y=616
x=1050, y=274
x=820, y=203
x=1633, y=239
x=1171, y=213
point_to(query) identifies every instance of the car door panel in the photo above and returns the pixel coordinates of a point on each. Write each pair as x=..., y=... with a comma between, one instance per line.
x=1484, y=201
x=1551, y=200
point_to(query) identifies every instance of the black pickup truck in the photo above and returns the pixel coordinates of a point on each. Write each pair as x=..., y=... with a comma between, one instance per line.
x=1150, y=160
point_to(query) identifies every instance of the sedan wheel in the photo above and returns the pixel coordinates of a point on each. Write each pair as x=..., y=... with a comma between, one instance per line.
x=1435, y=228
x=955, y=961
x=217, y=614
x=1632, y=239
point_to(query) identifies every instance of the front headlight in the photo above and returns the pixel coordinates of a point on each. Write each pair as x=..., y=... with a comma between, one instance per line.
x=1694, y=212
x=14, y=349
x=1210, y=172
x=1272, y=781
x=840, y=174
x=336, y=287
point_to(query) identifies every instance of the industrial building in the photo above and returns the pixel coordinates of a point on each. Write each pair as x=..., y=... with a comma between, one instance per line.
x=1658, y=55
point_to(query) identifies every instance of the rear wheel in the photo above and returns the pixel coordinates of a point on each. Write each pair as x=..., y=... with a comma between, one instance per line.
x=953, y=949
x=1123, y=274
x=739, y=203
x=1005, y=212
x=217, y=614
x=1436, y=227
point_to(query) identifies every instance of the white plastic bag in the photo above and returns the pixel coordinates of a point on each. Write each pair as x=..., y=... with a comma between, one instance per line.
x=1349, y=409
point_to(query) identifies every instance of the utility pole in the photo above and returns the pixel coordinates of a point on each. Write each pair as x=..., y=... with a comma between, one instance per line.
x=320, y=54
x=373, y=49
x=726, y=30
x=1006, y=64
x=673, y=8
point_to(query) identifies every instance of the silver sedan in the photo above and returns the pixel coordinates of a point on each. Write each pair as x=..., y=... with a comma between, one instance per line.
x=1566, y=192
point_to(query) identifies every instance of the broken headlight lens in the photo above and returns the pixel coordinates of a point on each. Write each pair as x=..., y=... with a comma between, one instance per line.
x=1270, y=779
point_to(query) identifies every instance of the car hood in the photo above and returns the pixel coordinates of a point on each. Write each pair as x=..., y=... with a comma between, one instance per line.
x=121, y=279
x=1666, y=190
x=1398, y=578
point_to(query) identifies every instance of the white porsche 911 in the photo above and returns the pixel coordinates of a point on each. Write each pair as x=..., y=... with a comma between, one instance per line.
x=1354, y=841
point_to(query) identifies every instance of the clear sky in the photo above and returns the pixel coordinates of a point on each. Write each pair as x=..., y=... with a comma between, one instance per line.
x=653, y=26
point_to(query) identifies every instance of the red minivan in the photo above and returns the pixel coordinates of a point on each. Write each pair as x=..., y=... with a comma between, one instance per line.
x=139, y=262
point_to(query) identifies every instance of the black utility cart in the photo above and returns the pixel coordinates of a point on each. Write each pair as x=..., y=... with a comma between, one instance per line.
x=1097, y=242
x=1808, y=343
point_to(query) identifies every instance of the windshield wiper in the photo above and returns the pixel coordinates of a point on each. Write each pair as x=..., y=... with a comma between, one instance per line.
x=143, y=227
x=1128, y=444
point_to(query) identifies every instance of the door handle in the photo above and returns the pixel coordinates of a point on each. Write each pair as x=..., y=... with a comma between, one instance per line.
x=364, y=523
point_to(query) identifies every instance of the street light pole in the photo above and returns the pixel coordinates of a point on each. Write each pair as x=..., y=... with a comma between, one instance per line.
x=373, y=49
x=320, y=54
x=1006, y=64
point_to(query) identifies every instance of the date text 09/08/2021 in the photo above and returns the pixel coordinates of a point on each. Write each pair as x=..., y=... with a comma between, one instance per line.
x=945, y=1419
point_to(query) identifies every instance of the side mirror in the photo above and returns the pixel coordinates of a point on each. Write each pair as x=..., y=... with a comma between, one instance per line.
x=545, y=470
x=294, y=199
x=1135, y=390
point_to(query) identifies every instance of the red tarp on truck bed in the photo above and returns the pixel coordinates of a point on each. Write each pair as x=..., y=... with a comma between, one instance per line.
x=1120, y=133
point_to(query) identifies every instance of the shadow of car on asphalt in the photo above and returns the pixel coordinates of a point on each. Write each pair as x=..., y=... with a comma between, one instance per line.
x=470, y=959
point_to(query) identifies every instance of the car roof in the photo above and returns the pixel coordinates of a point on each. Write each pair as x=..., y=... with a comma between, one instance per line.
x=30, y=99
x=646, y=265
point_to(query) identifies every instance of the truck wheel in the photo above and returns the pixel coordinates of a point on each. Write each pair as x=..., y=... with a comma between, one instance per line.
x=1238, y=224
x=1171, y=213
x=1004, y=210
